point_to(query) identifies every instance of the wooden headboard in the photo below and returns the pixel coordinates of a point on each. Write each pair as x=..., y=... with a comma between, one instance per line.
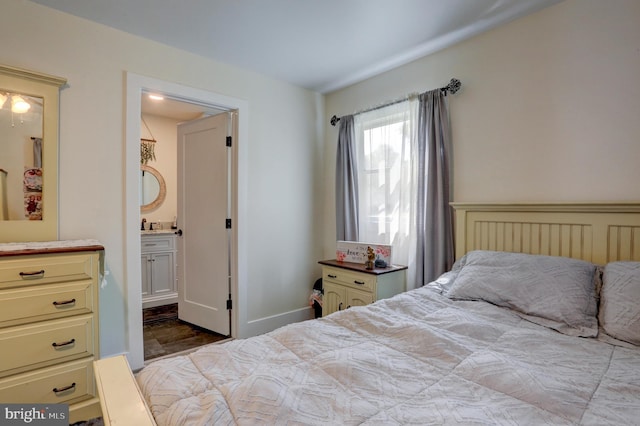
x=596, y=232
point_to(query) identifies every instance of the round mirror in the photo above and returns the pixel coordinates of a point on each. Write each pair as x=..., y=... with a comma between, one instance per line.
x=153, y=189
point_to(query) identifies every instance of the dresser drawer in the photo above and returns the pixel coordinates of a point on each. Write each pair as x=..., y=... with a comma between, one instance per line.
x=59, y=384
x=32, y=270
x=41, y=343
x=351, y=279
x=36, y=303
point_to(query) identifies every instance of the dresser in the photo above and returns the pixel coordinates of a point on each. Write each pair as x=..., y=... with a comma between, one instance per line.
x=49, y=324
x=349, y=284
x=158, y=265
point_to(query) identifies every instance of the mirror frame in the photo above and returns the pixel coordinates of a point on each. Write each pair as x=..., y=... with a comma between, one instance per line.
x=162, y=193
x=47, y=87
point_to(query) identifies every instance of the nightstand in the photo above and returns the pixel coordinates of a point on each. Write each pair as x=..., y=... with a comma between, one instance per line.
x=349, y=284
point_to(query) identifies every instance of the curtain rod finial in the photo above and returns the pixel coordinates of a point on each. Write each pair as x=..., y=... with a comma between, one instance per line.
x=334, y=120
x=454, y=85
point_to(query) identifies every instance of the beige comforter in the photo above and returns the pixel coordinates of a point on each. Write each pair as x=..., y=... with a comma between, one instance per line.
x=418, y=358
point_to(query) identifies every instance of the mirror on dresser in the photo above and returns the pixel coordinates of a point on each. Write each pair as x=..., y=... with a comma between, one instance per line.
x=28, y=155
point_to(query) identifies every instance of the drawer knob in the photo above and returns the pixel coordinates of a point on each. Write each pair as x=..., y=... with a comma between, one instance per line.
x=358, y=282
x=66, y=302
x=332, y=276
x=32, y=275
x=66, y=388
x=67, y=343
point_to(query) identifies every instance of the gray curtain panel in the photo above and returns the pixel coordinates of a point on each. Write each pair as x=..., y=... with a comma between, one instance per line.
x=434, y=254
x=346, y=182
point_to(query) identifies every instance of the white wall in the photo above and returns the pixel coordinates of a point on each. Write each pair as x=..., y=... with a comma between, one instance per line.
x=549, y=109
x=281, y=168
x=165, y=131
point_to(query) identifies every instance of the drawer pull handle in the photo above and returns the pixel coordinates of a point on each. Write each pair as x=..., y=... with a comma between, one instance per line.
x=358, y=282
x=66, y=302
x=332, y=276
x=67, y=343
x=32, y=275
x=66, y=388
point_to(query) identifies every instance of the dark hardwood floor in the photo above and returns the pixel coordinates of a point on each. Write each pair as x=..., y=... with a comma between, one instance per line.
x=165, y=334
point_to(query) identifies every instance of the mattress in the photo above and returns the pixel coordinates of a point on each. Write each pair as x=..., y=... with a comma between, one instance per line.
x=417, y=358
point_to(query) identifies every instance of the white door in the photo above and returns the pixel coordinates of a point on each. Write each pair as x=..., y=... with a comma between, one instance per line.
x=203, y=209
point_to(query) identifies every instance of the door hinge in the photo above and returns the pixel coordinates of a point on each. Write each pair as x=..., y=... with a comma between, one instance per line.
x=228, y=223
x=229, y=304
x=229, y=139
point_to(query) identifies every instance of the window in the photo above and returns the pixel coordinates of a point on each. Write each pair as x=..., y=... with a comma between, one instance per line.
x=384, y=143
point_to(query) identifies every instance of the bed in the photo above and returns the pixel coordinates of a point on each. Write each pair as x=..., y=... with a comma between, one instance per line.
x=538, y=322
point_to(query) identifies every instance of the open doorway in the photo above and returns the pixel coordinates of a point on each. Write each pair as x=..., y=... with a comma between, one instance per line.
x=169, y=326
x=136, y=86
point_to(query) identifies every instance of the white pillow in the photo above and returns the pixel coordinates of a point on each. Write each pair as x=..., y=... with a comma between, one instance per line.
x=556, y=292
x=620, y=301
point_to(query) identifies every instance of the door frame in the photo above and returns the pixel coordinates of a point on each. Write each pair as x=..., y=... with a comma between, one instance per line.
x=135, y=86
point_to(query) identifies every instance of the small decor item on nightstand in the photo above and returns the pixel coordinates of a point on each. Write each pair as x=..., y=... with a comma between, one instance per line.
x=371, y=255
x=356, y=252
x=379, y=263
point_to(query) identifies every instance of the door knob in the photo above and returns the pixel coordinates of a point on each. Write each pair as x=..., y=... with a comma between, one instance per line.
x=179, y=232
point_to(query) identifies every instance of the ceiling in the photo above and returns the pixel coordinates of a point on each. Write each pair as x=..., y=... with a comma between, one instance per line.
x=322, y=45
x=176, y=109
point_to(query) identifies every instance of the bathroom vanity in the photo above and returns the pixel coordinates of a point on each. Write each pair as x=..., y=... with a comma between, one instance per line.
x=158, y=265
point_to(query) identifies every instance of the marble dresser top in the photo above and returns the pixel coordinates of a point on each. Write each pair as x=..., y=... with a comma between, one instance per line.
x=42, y=247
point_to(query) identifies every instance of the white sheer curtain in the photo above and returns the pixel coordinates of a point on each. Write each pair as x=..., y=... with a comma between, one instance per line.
x=386, y=152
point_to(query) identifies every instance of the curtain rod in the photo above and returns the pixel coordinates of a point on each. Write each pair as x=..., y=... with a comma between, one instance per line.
x=453, y=86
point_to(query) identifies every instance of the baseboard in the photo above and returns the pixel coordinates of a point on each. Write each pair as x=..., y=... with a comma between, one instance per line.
x=266, y=324
x=154, y=301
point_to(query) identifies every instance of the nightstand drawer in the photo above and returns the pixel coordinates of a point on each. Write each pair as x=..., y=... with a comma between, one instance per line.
x=36, y=303
x=40, y=343
x=351, y=279
x=58, y=384
x=34, y=270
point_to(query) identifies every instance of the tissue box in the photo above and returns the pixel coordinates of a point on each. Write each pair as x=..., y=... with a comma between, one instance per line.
x=356, y=252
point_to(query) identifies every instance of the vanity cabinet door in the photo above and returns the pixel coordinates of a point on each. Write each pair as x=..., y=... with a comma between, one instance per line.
x=157, y=274
x=145, y=267
x=162, y=274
